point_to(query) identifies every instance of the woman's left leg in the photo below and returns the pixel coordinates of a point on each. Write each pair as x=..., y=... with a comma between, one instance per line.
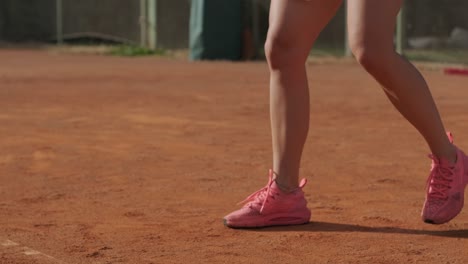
x=371, y=25
x=371, y=29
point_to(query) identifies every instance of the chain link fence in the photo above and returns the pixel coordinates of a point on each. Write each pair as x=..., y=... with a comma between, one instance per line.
x=136, y=22
x=433, y=30
x=436, y=30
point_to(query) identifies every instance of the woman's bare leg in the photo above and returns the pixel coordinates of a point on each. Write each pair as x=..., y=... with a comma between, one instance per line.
x=294, y=26
x=371, y=26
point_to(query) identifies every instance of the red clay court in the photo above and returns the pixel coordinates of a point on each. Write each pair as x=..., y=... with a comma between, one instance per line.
x=136, y=160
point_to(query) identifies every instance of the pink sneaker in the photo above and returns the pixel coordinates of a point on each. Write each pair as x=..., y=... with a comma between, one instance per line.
x=270, y=206
x=445, y=188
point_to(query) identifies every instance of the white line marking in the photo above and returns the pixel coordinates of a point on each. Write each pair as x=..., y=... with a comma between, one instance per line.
x=28, y=251
x=9, y=243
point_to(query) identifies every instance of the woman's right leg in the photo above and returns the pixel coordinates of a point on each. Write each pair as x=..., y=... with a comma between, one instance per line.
x=294, y=27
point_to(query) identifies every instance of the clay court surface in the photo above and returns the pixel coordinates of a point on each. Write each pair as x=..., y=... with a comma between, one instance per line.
x=136, y=160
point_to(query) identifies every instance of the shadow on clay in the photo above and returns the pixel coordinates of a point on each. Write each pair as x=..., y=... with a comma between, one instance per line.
x=337, y=227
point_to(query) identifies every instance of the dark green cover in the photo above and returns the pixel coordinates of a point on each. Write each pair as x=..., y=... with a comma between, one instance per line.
x=215, y=30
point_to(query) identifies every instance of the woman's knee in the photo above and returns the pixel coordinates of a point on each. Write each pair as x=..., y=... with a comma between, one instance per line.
x=372, y=54
x=282, y=52
x=366, y=55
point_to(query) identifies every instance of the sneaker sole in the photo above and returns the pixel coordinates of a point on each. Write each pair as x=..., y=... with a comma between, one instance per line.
x=260, y=227
x=263, y=226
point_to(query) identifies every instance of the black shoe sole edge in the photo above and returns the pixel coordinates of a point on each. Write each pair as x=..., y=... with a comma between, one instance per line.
x=428, y=221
